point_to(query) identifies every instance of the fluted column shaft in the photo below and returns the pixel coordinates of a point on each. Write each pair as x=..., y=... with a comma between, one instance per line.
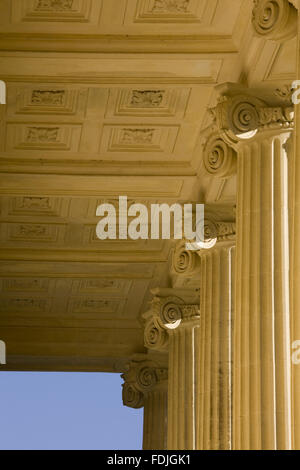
x=155, y=419
x=295, y=260
x=216, y=311
x=146, y=385
x=183, y=390
x=262, y=414
x=173, y=324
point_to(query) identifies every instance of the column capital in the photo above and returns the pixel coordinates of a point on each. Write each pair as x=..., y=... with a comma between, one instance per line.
x=239, y=115
x=186, y=264
x=141, y=378
x=275, y=19
x=170, y=309
x=223, y=231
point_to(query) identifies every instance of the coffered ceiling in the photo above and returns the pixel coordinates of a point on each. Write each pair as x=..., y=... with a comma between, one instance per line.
x=106, y=98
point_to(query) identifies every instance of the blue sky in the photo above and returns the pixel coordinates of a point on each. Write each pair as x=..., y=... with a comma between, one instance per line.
x=66, y=411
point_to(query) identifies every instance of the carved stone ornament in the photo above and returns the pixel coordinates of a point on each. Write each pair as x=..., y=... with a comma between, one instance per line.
x=140, y=378
x=168, y=313
x=54, y=5
x=170, y=6
x=155, y=336
x=241, y=117
x=171, y=311
x=219, y=158
x=185, y=262
x=295, y=3
x=275, y=19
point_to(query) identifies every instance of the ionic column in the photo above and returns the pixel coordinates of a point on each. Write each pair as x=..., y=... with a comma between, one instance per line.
x=295, y=281
x=263, y=295
x=213, y=269
x=262, y=392
x=295, y=258
x=173, y=323
x=216, y=326
x=145, y=385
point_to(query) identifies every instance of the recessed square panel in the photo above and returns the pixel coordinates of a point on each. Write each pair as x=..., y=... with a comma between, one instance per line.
x=47, y=100
x=148, y=101
x=82, y=11
x=175, y=11
x=136, y=138
x=43, y=137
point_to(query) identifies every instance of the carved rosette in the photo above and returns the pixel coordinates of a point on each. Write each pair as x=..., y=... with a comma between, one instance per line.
x=219, y=158
x=274, y=19
x=140, y=378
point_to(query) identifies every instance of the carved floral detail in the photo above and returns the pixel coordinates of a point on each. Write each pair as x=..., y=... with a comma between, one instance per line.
x=190, y=312
x=32, y=231
x=42, y=134
x=137, y=136
x=54, y=5
x=48, y=97
x=146, y=98
x=35, y=203
x=225, y=230
x=170, y=6
x=285, y=92
x=282, y=116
